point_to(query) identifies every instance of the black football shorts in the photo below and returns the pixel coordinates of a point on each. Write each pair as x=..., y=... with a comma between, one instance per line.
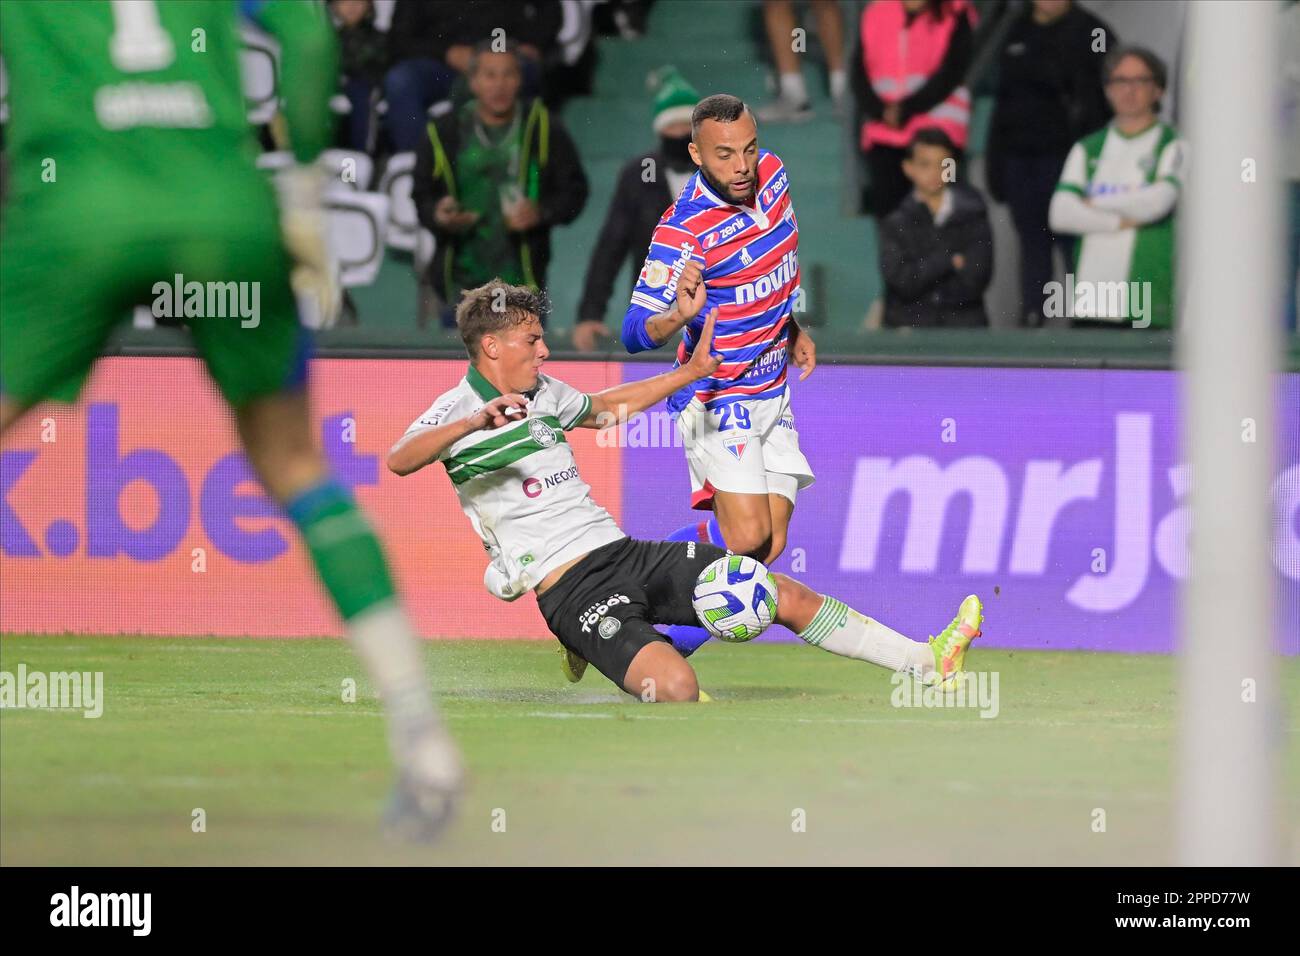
x=603, y=607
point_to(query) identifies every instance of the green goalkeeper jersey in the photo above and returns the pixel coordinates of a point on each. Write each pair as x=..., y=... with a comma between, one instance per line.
x=129, y=117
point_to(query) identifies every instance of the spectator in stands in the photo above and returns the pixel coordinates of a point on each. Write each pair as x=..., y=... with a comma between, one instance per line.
x=647, y=185
x=936, y=248
x=791, y=104
x=1049, y=96
x=492, y=178
x=907, y=69
x=432, y=43
x=363, y=60
x=1118, y=190
x=622, y=18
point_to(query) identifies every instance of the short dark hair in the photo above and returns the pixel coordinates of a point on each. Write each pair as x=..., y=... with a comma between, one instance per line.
x=490, y=46
x=930, y=136
x=722, y=107
x=494, y=306
x=1152, y=62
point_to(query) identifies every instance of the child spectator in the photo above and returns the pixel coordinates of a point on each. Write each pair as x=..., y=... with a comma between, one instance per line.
x=936, y=248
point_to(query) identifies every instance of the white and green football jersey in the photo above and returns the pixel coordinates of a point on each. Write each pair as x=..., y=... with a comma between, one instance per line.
x=519, y=484
x=1108, y=163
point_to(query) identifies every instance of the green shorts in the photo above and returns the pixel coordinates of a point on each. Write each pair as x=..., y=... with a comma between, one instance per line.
x=61, y=297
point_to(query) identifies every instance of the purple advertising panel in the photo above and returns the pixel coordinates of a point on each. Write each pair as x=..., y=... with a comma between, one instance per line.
x=1057, y=495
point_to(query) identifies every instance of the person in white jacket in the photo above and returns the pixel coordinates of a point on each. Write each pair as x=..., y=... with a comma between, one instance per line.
x=1118, y=191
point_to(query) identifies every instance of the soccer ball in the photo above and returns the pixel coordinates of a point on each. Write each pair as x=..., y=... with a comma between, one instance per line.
x=735, y=598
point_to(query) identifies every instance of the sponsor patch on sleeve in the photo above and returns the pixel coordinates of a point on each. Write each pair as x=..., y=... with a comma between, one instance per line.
x=435, y=415
x=655, y=273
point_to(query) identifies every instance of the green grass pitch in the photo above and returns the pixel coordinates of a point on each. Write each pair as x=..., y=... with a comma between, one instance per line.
x=256, y=733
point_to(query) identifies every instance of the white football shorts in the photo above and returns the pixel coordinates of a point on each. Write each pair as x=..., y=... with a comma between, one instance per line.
x=744, y=446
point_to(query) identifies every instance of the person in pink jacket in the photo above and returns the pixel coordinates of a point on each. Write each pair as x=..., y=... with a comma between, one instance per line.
x=908, y=68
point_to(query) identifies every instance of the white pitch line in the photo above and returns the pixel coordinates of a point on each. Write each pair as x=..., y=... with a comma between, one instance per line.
x=187, y=782
x=199, y=647
x=811, y=720
x=731, y=718
x=710, y=716
x=265, y=711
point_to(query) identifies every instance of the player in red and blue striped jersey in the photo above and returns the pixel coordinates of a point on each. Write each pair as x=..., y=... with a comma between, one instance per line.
x=730, y=242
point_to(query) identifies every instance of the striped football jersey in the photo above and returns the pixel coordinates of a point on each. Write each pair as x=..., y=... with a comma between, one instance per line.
x=750, y=262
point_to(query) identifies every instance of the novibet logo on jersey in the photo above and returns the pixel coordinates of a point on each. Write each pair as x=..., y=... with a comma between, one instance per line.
x=179, y=299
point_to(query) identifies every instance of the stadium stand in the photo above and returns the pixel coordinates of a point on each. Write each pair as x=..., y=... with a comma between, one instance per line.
x=598, y=85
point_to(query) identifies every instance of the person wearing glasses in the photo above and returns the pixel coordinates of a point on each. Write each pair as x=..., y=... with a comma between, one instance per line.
x=1118, y=192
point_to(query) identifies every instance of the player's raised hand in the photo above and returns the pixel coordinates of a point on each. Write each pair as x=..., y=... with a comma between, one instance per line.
x=690, y=290
x=501, y=411
x=704, y=361
x=804, y=353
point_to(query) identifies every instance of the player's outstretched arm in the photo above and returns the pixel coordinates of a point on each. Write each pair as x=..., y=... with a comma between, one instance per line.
x=615, y=404
x=424, y=447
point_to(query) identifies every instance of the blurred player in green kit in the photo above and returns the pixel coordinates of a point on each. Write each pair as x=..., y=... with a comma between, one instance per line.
x=131, y=162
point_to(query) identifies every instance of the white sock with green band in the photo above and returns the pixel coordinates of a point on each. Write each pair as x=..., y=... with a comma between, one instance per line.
x=838, y=628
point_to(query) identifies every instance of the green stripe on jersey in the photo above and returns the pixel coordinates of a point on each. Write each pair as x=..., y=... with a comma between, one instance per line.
x=499, y=439
x=586, y=409
x=1093, y=144
x=509, y=436
x=504, y=449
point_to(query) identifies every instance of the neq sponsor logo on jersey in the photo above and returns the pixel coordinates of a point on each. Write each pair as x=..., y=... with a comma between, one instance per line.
x=535, y=486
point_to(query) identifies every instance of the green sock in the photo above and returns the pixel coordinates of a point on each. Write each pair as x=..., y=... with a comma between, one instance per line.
x=343, y=547
x=351, y=565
